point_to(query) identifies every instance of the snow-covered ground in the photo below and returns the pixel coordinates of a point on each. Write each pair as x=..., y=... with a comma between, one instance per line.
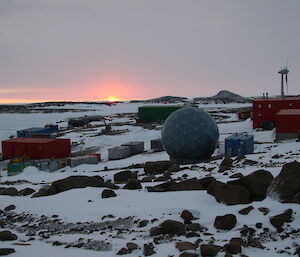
x=86, y=205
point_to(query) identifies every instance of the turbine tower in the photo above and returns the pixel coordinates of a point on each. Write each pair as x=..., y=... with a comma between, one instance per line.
x=283, y=72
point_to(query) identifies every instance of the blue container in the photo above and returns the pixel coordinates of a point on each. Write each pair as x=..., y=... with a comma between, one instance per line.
x=239, y=144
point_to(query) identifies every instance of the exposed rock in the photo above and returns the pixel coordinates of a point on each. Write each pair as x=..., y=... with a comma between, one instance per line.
x=188, y=254
x=209, y=250
x=183, y=246
x=236, y=175
x=194, y=227
x=6, y=235
x=286, y=185
x=147, y=179
x=172, y=227
x=246, y=210
x=132, y=246
x=229, y=194
x=26, y=191
x=234, y=246
x=192, y=234
x=8, y=191
x=278, y=220
x=143, y=223
x=155, y=231
x=6, y=251
x=226, y=164
x=256, y=183
x=10, y=207
x=72, y=182
x=249, y=162
x=123, y=251
x=187, y=215
x=157, y=167
x=264, y=210
x=123, y=176
x=189, y=184
x=206, y=181
x=107, y=193
x=133, y=184
x=148, y=249
x=174, y=168
x=226, y=222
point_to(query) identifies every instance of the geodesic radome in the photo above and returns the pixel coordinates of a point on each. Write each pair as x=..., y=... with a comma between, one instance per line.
x=190, y=134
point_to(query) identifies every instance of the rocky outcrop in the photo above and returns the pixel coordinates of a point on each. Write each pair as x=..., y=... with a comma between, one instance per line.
x=286, y=186
x=107, y=193
x=229, y=194
x=256, y=183
x=124, y=176
x=6, y=235
x=8, y=191
x=133, y=184
x=209, y=250
x=278, y=220
x=226, y=222
x=71, y=183
x=189, y=184
x=157, y=167
x=170, y=227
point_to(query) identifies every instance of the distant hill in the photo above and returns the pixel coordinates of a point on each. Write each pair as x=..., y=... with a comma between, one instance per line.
x=225, y=97
x=167, y=99
x=226, y=94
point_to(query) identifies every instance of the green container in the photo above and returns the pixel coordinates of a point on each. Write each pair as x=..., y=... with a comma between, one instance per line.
x=15, y=168
x=156, y=113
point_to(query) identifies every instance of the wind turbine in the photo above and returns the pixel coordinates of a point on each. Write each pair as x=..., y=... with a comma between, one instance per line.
x=283, y=72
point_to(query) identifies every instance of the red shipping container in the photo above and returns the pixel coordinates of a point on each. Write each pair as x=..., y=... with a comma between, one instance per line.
x=288, y=121
x=265, y=109
x=36, y=148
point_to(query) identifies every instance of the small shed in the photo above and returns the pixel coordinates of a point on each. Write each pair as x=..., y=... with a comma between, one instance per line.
x=239, y=144
x=287, y=124
x=36, y=148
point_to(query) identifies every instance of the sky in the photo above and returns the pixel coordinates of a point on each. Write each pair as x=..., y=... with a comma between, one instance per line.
x=80, y=50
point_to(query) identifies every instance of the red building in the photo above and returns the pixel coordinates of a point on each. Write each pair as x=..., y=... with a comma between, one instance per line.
x=264, y=110
x=287, y=123
x=36, y=148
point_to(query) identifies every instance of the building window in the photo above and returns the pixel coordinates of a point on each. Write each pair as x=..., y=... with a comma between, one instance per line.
x=259, y=106
x=270, y=106
x=259, y=115
x=290, y=104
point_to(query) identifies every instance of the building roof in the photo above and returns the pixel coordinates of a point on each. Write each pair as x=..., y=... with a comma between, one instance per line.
x=30, y=140
x=289, y=112
x=269, y=99
x=33, y=129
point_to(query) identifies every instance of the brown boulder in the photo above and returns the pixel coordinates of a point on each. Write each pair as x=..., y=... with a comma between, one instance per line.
x=183, y=246
x=148, y=249
x=209, y=250
x=278, y=220
x=189, y=184
x=6, y=235
x=256, y=183
x=172, y=227
x=226, y=222
x=6, y=251
x=8, y=191
x=157, y=167
x=226, y=164
x=286, y=185
x=133, y=184
x=229, y=194
x=123, y=176
x=72, y=182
